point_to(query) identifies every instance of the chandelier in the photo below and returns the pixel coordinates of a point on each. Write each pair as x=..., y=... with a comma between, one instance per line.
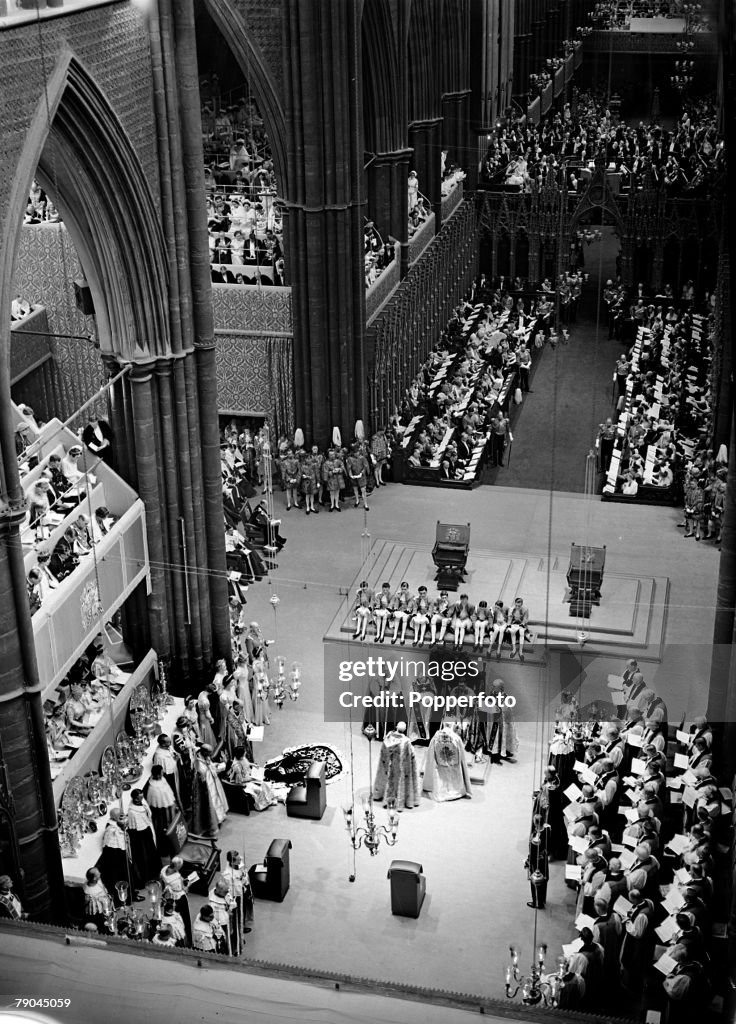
x=683, y=76
x=370, y=834
x=534, y=987
x=589, y=235
x=693, y=20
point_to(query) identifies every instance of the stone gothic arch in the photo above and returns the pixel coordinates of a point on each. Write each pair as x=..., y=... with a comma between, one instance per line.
x=230, y=20
x=597, y=197
x=83, y=156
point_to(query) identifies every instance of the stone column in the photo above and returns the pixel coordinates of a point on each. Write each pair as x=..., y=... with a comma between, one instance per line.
x=425, y=138
x=387, y=198
x=29, y=842
x=326, y=209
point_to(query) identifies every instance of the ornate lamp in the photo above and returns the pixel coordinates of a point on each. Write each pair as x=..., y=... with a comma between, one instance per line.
x=154, y=890
x=295, y=680
x=534, y=988
x=370, y=834
x=122, y=889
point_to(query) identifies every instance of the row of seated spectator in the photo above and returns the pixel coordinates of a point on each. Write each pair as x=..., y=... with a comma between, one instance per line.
x=686, y=159
x=629, y=308
x=40, y=208
x=245, y=239
x=377, y=256
x=458, y=402
x=74, y=709
x=634, y=807
x=67, y=515
x=662, y=397
x=244, y=218
x=616, y=15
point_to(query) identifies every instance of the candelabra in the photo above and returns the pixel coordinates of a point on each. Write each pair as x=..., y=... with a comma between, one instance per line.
x=685, y=45
x=693, y=21
x=538, y=83
x=371, y=834
x=534, y=987
x=589, y=235
x=295, y=680
x=278, y=686
x=154, y=890
x=683, y=76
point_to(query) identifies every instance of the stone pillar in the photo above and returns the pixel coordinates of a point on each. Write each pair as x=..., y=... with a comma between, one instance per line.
x=425, y=138
x=326, y=209
x=29, y=844
x=455, y=137
x=387, y=198
x=143, y=419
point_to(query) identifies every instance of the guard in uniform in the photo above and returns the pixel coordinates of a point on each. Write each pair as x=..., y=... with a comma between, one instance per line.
x=291, y=473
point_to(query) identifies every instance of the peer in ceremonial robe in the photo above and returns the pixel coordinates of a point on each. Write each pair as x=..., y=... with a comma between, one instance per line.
x=397, y=774
x=209, y=806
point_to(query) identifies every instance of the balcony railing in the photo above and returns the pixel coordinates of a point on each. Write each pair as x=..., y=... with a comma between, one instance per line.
x=451, y=201
x=69, y=617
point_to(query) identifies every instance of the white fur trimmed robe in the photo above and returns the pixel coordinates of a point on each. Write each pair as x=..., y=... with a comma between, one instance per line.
x=397, y=775
x=446, y=775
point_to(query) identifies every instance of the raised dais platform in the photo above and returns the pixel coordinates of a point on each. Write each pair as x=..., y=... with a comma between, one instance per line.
x=630, y=618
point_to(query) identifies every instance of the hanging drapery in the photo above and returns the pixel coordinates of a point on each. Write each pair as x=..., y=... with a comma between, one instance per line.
x=281, y=376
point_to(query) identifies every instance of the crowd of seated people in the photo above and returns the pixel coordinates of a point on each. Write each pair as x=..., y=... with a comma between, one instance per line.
x=244, y=220
x=460, y=398
x=661, y=442
x=635, y=809
x=252, y=536
x=40, y=208
x=616, y=15
x=377, y=255
x=19, y=308
x=74, y=709
x=63, y=480
x=685, y=159
x=419, y=209
x=439, y=620
x=452, y=175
